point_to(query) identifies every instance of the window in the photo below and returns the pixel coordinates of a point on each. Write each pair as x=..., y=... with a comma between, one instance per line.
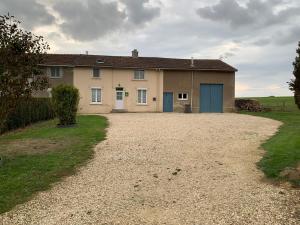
x=96, y=72
x=99, y=61
x=142, y=96
x=139, y=75
x=49, y=91
x=96, y=95
x=55, y=72
x=182, y=96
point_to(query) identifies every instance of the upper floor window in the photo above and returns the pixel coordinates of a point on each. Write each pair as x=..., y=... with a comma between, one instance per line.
x=56, y=72
x=96, y=72
x=139, y=75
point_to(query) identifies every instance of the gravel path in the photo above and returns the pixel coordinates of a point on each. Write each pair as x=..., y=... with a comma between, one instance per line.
x=169, y=169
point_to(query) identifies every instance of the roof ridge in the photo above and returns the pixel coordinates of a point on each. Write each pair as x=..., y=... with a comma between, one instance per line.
x=126, y=56
x=139, y=62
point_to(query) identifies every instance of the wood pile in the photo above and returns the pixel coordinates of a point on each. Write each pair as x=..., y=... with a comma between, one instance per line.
x=250, y=105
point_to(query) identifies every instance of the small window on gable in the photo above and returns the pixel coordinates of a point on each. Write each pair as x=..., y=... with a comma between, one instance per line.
x=139, y=75
x=183, y=96
x=96, y=72
x=56, y=72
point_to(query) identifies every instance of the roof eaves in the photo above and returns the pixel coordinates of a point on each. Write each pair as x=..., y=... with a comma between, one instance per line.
x=60, y=65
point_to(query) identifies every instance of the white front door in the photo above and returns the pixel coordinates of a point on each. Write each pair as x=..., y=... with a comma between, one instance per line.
x=119, y=100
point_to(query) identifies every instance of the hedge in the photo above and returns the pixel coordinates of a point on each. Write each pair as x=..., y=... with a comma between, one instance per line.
x=29, y=111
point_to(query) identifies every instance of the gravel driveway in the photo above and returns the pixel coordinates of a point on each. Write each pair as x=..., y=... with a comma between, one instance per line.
x=169, y=169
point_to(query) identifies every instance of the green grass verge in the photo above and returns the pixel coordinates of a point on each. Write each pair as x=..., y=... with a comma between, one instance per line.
x=283, y=149
x=39, y=155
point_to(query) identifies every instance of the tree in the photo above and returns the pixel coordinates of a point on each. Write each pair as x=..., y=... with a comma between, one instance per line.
x=21, y=53
x=295, y=83
x=65, y=100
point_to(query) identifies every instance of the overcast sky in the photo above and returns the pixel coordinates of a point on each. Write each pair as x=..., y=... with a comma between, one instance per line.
x=258, y=37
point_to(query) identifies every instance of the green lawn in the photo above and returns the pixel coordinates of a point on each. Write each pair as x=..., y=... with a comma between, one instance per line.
x=283, y=149
x=280, y=104
x=42, y=154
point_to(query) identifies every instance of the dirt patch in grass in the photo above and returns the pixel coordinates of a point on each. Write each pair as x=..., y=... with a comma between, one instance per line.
x=32, y=146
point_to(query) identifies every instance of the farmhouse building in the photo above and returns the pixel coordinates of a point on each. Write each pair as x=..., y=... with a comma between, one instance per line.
x=144, y=84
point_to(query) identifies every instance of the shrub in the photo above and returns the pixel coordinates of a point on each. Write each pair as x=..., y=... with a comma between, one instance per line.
x=28, y=111
x=65, y=100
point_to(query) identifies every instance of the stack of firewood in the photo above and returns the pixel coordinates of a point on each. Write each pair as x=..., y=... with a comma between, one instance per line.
x=250, y=105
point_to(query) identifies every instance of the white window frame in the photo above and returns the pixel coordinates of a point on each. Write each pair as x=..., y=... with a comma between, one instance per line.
x=60, y=69
x=101, y=96
x=182, y=98
x=49, y=91
x=138, y=73
x=137, y=100
x=93, y=74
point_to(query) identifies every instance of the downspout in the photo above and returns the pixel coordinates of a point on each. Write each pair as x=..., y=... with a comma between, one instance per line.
x=192, y=90
x=113, y=90
x=157, y=91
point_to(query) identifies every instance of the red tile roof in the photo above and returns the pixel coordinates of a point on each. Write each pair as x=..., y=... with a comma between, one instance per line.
x=138, y=62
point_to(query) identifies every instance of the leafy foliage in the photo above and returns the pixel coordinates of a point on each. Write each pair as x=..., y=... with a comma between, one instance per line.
x=21, y=52
x=295, y=83
x=29, y=111
x=65, y=100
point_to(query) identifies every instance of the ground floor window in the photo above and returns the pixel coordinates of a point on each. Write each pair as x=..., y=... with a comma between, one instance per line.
x=183, y=96
x=142, y=96
x=96, y=95
x=49, y=91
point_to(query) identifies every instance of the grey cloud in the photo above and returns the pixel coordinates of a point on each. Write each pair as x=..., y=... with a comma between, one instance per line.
x=89, y=20
x=139, y=13
x=262, y=42
x=29, y=12
x=256, y=13
x=290, y=36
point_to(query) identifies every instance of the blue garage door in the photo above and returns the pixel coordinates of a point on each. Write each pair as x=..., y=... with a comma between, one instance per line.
x=211, y=98
x=168, y=102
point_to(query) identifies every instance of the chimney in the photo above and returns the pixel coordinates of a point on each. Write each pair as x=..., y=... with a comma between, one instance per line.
x=192, y=62
x=135, y=53
x=86, y=52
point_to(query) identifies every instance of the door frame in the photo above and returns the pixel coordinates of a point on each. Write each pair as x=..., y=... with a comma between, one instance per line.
x=119, y=91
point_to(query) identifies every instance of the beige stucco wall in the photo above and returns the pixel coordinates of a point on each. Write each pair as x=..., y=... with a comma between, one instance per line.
x=181, y=81
x=156, y=82
x=109, y=80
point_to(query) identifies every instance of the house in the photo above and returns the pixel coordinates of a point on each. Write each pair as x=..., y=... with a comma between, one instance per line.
x=143, y=84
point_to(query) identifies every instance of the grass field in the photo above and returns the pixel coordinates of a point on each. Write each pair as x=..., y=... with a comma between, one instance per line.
x=281, y=104
x=42, y=154
x=283, y=149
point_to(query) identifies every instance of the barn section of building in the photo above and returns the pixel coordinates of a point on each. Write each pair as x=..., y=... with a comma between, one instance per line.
x=204, y=90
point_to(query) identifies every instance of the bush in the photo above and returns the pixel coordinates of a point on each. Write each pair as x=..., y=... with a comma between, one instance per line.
x=65, y=100
x=29, y=111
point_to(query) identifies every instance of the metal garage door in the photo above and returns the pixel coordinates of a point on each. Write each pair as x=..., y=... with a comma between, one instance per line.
x=211, y=98
x=168, y=102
